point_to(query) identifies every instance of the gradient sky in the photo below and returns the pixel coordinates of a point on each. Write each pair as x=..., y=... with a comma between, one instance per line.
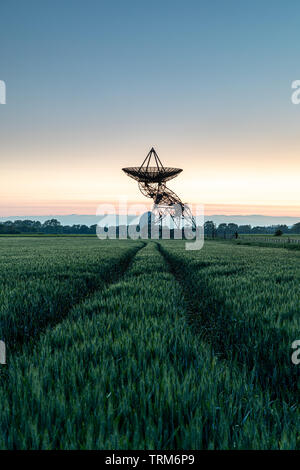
x=93, y=85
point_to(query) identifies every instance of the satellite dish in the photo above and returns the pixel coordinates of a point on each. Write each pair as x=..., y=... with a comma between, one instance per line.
x=152, y=174
x=152, y=184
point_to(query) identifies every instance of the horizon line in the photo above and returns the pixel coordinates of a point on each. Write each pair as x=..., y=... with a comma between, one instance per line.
x=135, y=215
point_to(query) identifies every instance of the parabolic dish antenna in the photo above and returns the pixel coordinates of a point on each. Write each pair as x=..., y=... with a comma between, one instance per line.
x=152, y=180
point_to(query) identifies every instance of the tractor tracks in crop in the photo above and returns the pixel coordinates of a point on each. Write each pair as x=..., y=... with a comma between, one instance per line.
x=203, y=307
x=193, y=308
x=117, y=273
x=226, y=333
x=202, y=313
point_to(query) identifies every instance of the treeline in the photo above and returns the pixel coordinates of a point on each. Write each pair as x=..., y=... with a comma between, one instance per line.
x=52, y=226
x=231, y=229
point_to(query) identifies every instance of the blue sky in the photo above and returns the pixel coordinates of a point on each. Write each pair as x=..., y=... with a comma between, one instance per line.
x=92, y=85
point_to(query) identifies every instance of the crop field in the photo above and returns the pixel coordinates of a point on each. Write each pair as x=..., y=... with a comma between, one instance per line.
x=291, y=242
x=144, y=345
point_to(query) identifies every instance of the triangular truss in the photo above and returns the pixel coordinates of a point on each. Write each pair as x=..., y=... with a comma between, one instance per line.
x=146, y=162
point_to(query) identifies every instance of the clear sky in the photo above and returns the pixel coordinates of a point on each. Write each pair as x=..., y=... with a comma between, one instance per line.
x=92, y=85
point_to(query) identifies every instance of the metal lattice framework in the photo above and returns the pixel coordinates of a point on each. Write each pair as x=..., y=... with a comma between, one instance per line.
x=152, y=184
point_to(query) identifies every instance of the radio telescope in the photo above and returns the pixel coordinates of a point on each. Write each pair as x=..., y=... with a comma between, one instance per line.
x=152, y=178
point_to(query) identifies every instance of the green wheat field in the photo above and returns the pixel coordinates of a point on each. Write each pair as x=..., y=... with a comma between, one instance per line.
x=144, y=345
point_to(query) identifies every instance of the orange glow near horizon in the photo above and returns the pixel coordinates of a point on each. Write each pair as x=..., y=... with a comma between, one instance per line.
x=90, y=208
x=61, y=184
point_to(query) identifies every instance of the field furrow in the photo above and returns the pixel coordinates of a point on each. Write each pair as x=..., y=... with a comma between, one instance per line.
x=40, y=283
x=244, y=302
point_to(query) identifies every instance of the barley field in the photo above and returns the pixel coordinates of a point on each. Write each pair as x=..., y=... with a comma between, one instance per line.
x=144, y=345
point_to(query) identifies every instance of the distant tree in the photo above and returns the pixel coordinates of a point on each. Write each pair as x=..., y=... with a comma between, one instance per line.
x=244, y=229
x=232, y=228
x=278, y=233
x=52, y=226
x=8, y=229
x=27, y=226
x=222, y=230
x=93, y=228
x=67, y=229
x=296, y=228
x=283, y=228
x=83, y=229
x=209, y=229
x=262, y=230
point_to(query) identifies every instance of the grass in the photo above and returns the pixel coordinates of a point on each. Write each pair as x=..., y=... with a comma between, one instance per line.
x=40, y=280
x=292, y=243
x=269, y=235
x=132, y=345
x=245, y=301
